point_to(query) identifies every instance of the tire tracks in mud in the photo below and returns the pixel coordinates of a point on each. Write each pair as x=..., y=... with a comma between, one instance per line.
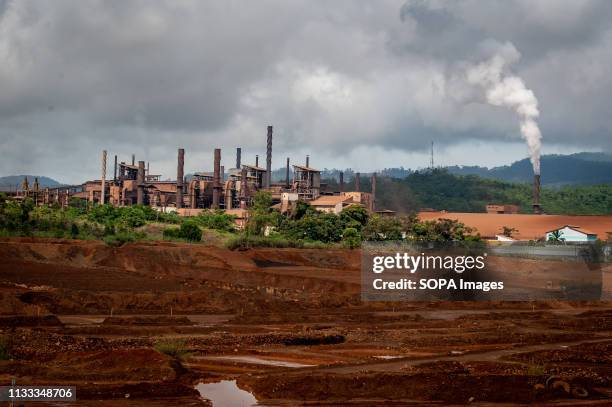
x=401, y=363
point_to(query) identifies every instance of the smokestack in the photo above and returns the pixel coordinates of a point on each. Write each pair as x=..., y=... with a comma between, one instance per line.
x=357, y=186
x=537, y=208
x=256, y=160
x=115, y=173
x=238, y=156
x=222, y=174
x=216, y=179
x=287, y=174
x=133, y=159
x=373, y=201
x=103, y=186
x=180, y=168
x=269, y=158
x=307, y=161
x=140, y=183
x=148, y=173
x=243, y=188
x=341, y=182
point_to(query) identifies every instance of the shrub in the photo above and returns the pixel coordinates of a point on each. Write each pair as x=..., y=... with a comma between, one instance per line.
x=243, y=241
x=316, y=226
x=216, y=220
x=109, y=229
x=171, y=233
x=173, y=348
x=354, y=216
x=74, y=230
x=351, y=238
x=189, y=230
x=122, y=237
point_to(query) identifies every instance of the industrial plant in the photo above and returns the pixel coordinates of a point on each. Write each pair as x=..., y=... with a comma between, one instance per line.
x=232, y=190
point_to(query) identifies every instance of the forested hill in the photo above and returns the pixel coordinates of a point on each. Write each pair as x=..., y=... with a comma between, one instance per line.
x=439, y=189
x=557, y=170
x=580, y=168
x=14, y=181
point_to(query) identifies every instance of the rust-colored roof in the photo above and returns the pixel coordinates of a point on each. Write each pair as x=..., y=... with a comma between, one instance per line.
x=330, y=200
x=304, y=168
x=254, y=167
x=80, y=195
x=529, y=226
x=164, y=186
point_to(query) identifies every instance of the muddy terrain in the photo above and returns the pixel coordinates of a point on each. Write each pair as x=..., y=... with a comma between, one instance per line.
x=280, y=326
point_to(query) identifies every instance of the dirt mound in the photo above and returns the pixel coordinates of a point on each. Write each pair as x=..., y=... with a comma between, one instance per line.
x=117, y=365
x=583, y=353
x=158, y=320
x=329, y=258
x=455, y=386
x=26, y=320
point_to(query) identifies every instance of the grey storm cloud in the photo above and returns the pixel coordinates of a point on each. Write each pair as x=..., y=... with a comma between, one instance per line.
x=150, y=76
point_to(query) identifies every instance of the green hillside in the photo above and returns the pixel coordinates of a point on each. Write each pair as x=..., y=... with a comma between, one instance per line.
x=439, y=189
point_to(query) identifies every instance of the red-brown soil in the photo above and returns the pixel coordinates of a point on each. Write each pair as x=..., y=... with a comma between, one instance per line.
x=86, y=314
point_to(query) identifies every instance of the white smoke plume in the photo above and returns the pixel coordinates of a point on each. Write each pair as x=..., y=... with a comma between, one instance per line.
x=507, y=90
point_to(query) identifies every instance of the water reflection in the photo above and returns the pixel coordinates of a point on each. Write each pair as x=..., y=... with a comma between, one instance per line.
x=226, y=393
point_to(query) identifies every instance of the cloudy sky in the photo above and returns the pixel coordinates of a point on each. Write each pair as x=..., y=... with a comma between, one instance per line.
x=361, y=84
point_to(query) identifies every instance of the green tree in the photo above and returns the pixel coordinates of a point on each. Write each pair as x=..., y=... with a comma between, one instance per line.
x=354, y=216
x=383, y=228
x=261, y=214
x=351, y=238
x=301, y=209
x=508, y=231
x=262, y=201
x=556, y=237
x=217, y=220
x=441, y=230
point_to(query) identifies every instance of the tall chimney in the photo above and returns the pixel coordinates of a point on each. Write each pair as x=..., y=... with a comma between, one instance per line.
x=103, y=186
x=222, y=174
x=269, y=159
x=341, y=182
x=216, y=179
x=307, y=161
x=357, y=186
x=257, y=160
x=243, y=188
x=133, y=159
x=180, y=171
x=148, y=173
x=537, y=208
x=287, y=174
x=140, y=183
x=238, y=157
x=373, y=200
x=115, y=173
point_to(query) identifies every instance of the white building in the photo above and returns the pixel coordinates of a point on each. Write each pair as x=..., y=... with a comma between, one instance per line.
x=570, y=233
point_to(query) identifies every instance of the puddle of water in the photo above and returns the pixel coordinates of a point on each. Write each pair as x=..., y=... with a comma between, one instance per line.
x=226, y=393
x=259, y=361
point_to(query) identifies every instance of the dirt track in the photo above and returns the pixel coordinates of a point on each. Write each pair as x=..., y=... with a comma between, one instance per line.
x=296, y=306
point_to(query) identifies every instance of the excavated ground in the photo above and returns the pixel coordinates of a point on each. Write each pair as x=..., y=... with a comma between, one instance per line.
x=287, y=324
